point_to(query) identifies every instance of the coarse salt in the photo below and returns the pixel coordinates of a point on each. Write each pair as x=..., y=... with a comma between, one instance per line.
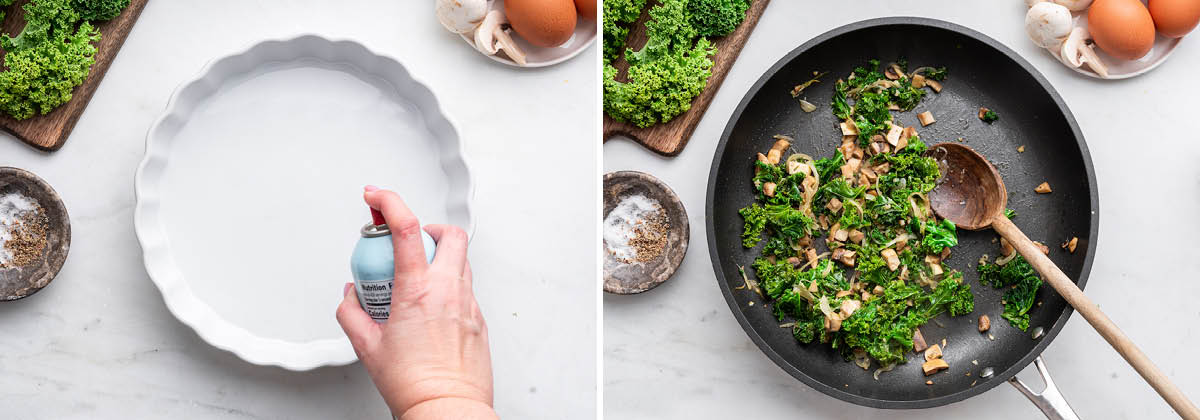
x=13, y=207
x=621, y=222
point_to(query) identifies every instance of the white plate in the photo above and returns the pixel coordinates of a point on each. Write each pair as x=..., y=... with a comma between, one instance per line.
x=1124, y=69
x=249, y=198
x=535, y=56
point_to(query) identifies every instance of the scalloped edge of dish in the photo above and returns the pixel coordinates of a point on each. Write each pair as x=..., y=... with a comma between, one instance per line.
x=156, y=252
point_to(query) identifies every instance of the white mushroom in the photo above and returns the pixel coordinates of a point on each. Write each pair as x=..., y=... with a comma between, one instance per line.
x=1030, y=3
x=1048, y=23
x=1088, y=56
x=485, y=34
x=1073, y=5
x=491, y=38
x=1069, y=52
x=461, y=16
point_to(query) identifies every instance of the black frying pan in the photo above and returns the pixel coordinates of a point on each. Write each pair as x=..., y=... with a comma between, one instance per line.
x=982, y=73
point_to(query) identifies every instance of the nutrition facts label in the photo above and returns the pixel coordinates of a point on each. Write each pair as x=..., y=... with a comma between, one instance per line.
x=376, y=298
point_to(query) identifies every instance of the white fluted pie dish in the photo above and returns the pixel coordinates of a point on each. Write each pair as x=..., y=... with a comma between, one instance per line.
x=249, y=197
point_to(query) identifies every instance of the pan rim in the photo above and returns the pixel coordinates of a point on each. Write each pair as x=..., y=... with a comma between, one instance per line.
x=759, y=341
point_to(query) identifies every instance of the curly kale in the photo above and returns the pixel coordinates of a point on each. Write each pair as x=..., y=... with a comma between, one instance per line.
x=989, y=116
x=717, y=17
x=671, y=70
x=665, y=75
x=876, y=309
x=618, y=14
x=1023, y=283
x=755, y=218
x=939, y=236
x=98, y=10
x=44, y=20
x=938, y=73
x=38, y=79
x=52, y=54
x=866, y=98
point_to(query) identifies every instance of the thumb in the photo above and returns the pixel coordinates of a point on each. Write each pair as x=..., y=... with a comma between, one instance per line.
x=359, y=327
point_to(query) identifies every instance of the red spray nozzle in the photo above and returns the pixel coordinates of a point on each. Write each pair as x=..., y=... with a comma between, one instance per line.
x=377, y=218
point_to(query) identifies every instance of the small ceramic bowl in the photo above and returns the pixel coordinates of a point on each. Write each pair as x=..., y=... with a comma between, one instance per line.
x=637, y=277
x=535, y=56
x=21, y=282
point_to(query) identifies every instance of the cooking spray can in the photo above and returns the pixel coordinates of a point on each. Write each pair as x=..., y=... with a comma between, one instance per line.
x=373, y=266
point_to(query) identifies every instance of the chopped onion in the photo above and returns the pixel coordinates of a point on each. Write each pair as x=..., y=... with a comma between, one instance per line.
x=823, y=305
x=1038, y=332
x=749, y=284
x=861, y=359
x=807, y=106
x=804, y=292
x=886, y=368
x=898, y=238
x=787, y=325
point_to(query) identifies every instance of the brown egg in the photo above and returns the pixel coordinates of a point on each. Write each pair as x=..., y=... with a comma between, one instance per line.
x=1175, y=18
x=586, y=8
x=1122, y=28
x=545, y=23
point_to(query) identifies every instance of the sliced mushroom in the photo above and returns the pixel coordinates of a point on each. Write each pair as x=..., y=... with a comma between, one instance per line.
x=933, y=352
x=491, y=38
x=849, y=306
x=918, y=81
x=926, y=118
x=1088, y=56
x=504, y=42
x=878, y=148
x=893, y=260
x=1070, y=51
x=773, y=156
x=834, y=205
x=933, y=366
x=857, y=236
x=1047, y=23
x=919, y=341
x=485, y=34
x=848, y=128
x=883, y=168
x=841, y=235
x=769, y=189
x=935, y=85
x=851, y=167
x=893, y=134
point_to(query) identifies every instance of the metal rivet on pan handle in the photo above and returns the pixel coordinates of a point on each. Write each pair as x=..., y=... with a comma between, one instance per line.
x=1050, y=401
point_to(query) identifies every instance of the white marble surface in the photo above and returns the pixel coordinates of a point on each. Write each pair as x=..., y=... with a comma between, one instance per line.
x=99, y=343
x=676, y=352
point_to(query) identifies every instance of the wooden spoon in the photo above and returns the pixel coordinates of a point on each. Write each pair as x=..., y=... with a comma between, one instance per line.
x=972, y=195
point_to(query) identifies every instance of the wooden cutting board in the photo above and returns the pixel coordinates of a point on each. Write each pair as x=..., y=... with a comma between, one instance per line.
x=668, y=139
x=49, y=132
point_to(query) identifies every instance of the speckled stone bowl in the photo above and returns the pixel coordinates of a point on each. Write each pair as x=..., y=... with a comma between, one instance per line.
x=20, y=282
x=629, y=278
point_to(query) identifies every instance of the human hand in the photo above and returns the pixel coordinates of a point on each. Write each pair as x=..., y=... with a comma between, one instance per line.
x=431, y=358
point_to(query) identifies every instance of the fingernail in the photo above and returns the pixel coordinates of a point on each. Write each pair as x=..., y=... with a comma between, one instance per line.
x=370, y=188
x=346, y=289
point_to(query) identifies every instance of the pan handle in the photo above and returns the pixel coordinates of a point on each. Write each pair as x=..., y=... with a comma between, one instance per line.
x=1050, y=401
